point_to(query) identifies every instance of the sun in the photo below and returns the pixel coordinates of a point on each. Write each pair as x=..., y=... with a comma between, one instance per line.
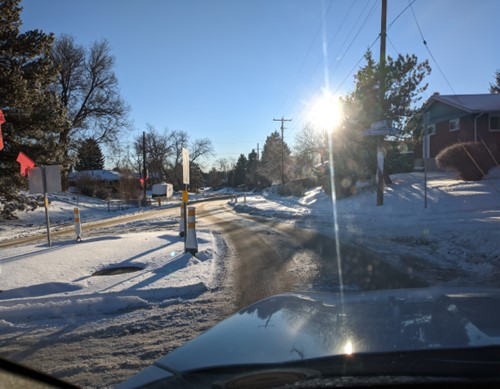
x=325, y=112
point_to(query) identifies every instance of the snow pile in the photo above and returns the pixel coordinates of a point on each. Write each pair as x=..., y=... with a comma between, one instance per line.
x=41, y=282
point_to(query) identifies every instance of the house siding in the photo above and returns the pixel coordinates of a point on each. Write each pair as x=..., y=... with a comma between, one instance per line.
x=441, y=114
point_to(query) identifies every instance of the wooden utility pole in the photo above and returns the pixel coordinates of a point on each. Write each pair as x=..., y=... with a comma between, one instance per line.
x=380, y=160
x=144, y=170
x=282, y=120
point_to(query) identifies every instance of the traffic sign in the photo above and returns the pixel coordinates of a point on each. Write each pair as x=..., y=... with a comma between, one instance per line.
x=381, y=131
x=185, y=166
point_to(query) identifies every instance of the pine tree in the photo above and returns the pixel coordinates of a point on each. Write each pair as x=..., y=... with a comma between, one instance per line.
x=495, y=88
x=270, y=165
x=240, y=171
x=33, y=116
x=89, y=156
x=252, y=177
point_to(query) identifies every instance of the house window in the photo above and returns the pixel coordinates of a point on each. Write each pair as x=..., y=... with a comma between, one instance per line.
x=454, y=124
x=494, y=122
x=431, y=129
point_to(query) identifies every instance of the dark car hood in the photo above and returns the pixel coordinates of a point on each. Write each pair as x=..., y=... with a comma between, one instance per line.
x=298, y=326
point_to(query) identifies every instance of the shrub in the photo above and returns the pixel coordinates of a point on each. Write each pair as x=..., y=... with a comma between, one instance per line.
x=102, y=193
x=128, y=188
x=293, y=188
x=397, y=162
x=86, y=185
x=345, y=185
x=470, y=159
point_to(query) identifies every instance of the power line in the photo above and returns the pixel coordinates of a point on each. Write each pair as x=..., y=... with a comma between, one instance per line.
x=308, y=52
x=428, y=49
x=329, y=44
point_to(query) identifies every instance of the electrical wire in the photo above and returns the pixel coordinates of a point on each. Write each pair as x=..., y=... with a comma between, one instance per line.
x=329, y=44
x=428, y=49
x=308, y=53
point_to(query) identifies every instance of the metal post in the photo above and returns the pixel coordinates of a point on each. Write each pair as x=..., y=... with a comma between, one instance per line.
x=383, y=34
x=46, y=203
x=185, y=216
x=426, y=153
x=144, y=198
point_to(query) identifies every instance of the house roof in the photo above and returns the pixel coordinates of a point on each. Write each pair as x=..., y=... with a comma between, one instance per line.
x=470, y=103
x=105, y=175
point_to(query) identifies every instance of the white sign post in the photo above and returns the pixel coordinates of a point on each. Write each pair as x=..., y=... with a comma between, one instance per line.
x=45, y=179
x=185, y=181
x=380, y=129
x=185, y=166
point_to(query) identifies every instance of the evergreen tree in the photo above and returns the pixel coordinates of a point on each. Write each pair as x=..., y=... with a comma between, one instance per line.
x=90, y=156
x=240, y=171
x=495, y=88
x=33, y=116
x=195, y=176
x=252, y=177
x=355, y=154
x=270, y=164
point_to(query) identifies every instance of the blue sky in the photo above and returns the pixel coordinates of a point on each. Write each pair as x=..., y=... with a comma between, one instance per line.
x=223, y=69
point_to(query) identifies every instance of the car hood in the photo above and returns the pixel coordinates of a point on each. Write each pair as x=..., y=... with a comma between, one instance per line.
x=300, y=326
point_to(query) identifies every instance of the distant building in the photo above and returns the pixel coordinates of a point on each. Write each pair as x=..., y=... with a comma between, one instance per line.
x=108, y=178
x=450, y=119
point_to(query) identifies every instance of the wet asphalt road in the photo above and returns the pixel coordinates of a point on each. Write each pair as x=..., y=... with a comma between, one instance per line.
x=269, y=257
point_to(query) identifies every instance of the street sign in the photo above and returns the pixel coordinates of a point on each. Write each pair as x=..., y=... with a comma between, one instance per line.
x=45, y=179
x=381, y=131
x=382, y=127
x=185, y=166
x=52, y=177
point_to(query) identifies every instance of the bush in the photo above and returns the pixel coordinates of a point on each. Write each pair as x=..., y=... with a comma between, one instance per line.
x=293, y=188
x=102, y=193
x=345, y=186
x=86, y=185
x=397, y=162
x=470, y=159
x=128, y=188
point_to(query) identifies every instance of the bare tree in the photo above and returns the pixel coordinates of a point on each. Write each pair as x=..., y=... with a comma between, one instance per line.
x=88, y=90
x=200, y=148
x=311, y=147
x=164, y=153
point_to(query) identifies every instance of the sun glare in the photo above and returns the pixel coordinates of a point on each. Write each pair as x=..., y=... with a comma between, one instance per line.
x=325, y=112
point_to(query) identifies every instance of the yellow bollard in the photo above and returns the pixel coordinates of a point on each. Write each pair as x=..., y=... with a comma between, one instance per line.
x=78, y=226
x=182, y=227
x=191, y=241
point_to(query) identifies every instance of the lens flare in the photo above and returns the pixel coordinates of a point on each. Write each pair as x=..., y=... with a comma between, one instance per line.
x=325, y=112
x=348, y=349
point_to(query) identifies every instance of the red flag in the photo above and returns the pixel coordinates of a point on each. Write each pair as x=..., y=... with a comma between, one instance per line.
x=2, y=120
x=26, y=163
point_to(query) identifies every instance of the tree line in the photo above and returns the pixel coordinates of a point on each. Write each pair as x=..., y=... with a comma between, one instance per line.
x=61, y=103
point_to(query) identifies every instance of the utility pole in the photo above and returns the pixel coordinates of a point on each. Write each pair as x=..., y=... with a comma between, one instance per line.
x=144, y=170
x=258, y=153
x=380, y=158
x=282, y=120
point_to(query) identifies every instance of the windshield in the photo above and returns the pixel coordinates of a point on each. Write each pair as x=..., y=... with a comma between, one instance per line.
x=167, y=164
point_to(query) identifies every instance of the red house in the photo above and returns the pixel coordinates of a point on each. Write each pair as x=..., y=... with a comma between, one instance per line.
x=450, y=119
